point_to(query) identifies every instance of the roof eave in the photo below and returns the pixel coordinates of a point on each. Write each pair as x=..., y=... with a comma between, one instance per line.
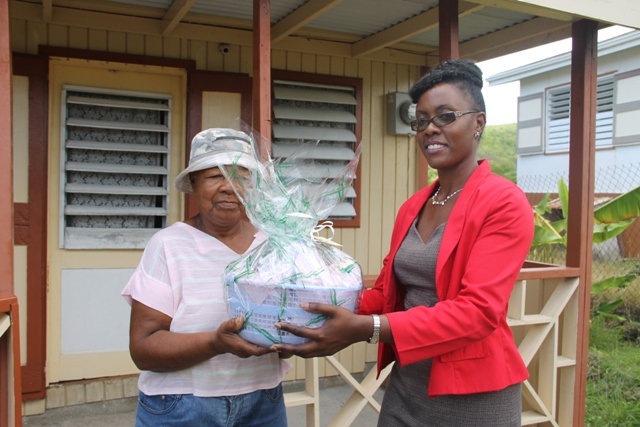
x=607, y=47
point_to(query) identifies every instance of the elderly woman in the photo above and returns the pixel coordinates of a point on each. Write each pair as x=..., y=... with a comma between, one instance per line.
x=439, y=306
x=196, y=370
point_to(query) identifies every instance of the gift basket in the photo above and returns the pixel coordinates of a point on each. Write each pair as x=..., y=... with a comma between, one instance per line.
x=286, y=199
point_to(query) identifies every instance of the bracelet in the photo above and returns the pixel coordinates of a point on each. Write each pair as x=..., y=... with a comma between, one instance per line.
x=375, y=337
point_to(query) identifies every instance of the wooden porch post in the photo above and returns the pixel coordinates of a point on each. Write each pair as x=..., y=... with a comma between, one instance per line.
x=6, y=155
x=449, y=49
x=448, y=30
x=584, y=72
x=262, y=73
x=10, y=377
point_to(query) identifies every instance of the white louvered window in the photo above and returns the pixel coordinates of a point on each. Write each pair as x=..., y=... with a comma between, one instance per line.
x=316, y=112
x=558, y=109
x=114, y=167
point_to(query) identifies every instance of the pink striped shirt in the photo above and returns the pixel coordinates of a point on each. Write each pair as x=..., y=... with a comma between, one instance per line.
x=180, y=275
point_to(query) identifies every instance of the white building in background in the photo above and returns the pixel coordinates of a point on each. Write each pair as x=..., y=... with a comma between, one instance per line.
x=543, y=118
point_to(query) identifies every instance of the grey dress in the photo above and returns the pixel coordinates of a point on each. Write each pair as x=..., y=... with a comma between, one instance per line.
x=405, y=400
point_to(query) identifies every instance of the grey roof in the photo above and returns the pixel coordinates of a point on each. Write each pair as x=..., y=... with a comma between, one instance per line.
x=607, y=47
x=354, y=20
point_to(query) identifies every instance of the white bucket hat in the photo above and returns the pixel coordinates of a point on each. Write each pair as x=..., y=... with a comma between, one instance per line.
x=217, y=147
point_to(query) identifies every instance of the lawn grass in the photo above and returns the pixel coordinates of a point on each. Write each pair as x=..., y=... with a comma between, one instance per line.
x=613, y=386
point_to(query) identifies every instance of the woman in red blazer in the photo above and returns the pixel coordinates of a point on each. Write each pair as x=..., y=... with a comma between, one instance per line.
x=439, y=306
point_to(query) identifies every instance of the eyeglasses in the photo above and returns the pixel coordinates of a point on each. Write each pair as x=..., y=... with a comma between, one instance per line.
x=440, y=120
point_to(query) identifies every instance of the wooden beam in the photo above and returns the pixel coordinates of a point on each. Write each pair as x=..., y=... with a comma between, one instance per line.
x=582, y=148
x=448, y=30
x=517, y=37
x=47, y=10
x=174, y=14
x=262, y=75
x=138, y=25
x=301, y=17
x=412, y=26
x=6, y=154
x=107, y=7
x=518, y=6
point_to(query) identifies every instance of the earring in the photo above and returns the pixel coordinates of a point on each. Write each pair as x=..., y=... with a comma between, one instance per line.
x=477, y=135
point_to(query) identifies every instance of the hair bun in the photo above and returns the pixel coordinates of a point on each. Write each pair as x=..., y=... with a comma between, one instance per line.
x=461, y=72
x=462, y=69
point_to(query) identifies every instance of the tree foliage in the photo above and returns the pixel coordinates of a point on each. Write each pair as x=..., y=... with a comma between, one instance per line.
x=610, y=219
x=498, y=144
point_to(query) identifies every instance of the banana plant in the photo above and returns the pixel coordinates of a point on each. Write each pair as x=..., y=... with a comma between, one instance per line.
x=610, y=219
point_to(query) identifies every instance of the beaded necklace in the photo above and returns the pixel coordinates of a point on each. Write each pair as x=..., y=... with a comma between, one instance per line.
x=433, y=199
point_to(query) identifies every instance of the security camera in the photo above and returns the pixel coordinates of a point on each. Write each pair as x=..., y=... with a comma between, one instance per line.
x=223, y=48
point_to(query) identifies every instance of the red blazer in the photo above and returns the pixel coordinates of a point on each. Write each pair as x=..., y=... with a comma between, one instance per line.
x=484, y=245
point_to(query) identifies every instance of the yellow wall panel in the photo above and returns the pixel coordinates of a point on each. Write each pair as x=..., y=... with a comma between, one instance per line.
x=337, y=66
x=198, y=53
x=377, y=164
x=171, y=48
x=97, y=40
x=294, y=61
x=220, y=109
x=20, y=289
x=20, y=110
x=184, y=49
x=78, y=38
x=414, y=151
x=246, y=60
x=36, y=35
x=279, y=60
x=308, y=64
x=153, y=45
x=58, y=35
x=323, y=64
x=215, y=61
x=351, y=67
x=135, y=44
x=348, y=240
x=361, y=253
x=117, y=42
x=231, y=60
x=404, y=153
x=18, y=34
x=20, y=139
x=389, y=181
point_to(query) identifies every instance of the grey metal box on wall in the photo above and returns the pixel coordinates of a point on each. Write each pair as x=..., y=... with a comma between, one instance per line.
x=400, y=111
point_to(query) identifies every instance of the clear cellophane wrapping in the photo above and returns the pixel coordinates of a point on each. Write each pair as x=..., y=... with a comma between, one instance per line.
x=288, y=199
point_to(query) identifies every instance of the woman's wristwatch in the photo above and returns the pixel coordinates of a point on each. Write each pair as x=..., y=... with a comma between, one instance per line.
x=375, y=337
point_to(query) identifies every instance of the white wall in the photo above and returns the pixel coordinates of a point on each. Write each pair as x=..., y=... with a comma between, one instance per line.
x=557, y=164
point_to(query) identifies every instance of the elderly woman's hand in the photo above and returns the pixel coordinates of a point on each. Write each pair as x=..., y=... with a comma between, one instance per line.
x=155, y=348
x=341, y=329
x=227, y=340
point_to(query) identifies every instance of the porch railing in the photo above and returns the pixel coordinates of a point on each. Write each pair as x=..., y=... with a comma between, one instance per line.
x=10, y=376
x=543, y=315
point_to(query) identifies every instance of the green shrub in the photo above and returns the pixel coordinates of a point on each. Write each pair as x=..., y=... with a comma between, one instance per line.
x=613, y=385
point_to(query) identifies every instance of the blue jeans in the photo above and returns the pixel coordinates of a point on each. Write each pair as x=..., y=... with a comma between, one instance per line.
x=258, y=409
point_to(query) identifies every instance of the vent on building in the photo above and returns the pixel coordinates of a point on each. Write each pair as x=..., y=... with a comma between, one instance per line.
x=114, y=167
x=312, y=112
x=558, y=111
